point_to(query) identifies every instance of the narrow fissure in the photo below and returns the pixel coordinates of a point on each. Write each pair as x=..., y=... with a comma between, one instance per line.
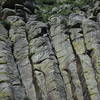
x=50, y=40
x=89, y=53
x=13, y=95
x=49, y=50
x=80, y=74
x=94, y=69
x=72, y=84
x=37, y=88
x=82, y=79
x=12, y=51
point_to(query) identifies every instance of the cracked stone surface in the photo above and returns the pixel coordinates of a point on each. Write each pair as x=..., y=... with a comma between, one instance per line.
x=59, y=61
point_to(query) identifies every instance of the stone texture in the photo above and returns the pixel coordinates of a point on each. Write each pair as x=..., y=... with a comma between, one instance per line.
x=54, y=60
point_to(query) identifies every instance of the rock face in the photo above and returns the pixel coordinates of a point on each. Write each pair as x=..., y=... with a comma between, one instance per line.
x=57, y=60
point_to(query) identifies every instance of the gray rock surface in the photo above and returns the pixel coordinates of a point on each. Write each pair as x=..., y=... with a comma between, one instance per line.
x=54, y=60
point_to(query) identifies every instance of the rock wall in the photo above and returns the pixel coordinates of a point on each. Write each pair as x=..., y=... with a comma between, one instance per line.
x=54, y=60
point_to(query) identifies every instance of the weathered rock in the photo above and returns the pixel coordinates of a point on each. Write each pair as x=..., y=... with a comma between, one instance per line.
x=75, y=20
x=7, y=12
x=42, y=54
x=54, y=10
x=56, y=60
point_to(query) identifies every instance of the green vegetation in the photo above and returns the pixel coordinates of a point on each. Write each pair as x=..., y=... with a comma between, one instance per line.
x=4, y=94
x=45, y=12
x=46, y=7
x=65, y=12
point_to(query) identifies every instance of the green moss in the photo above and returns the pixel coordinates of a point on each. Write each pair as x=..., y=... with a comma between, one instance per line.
x=65, y=12
x=4, y=94
x=3, y=62
x=45, y=12
x=4, y=73
x=3, y=81
x=45, y=17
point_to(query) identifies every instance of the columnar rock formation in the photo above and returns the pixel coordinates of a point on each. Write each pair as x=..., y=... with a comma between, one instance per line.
x=54, y=60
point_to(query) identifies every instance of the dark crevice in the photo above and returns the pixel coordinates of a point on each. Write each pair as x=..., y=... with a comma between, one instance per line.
x=89, y=53
x=6, y=25
x=26, y=98
x=21, y=82
x=53, y=49
x=78, y=25
x=38, y=35
x=42, y=44
x=52, y=90
x=8, y=48
x=37, y=88
x=81, y=31
x=95, y=71
x=44, y=30
x=12, y=50
x=68, y=71
x=11, y=4
x=72, y=84
x=93, y=66
x=94, y=18
x=11, y=87
x=82, y=79
x=42, y=60
x=72, y=45
x=80, y=74
x=81, y=37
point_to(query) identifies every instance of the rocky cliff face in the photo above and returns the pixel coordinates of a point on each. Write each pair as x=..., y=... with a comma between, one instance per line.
x=54, y=60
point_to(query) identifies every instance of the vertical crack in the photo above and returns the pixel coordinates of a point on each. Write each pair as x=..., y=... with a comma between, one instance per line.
x=12, y=51
x=80, y=74
x=37, y=88
x=89, y=53
x=72, y=84
x=50, y=40
x=13, y=95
